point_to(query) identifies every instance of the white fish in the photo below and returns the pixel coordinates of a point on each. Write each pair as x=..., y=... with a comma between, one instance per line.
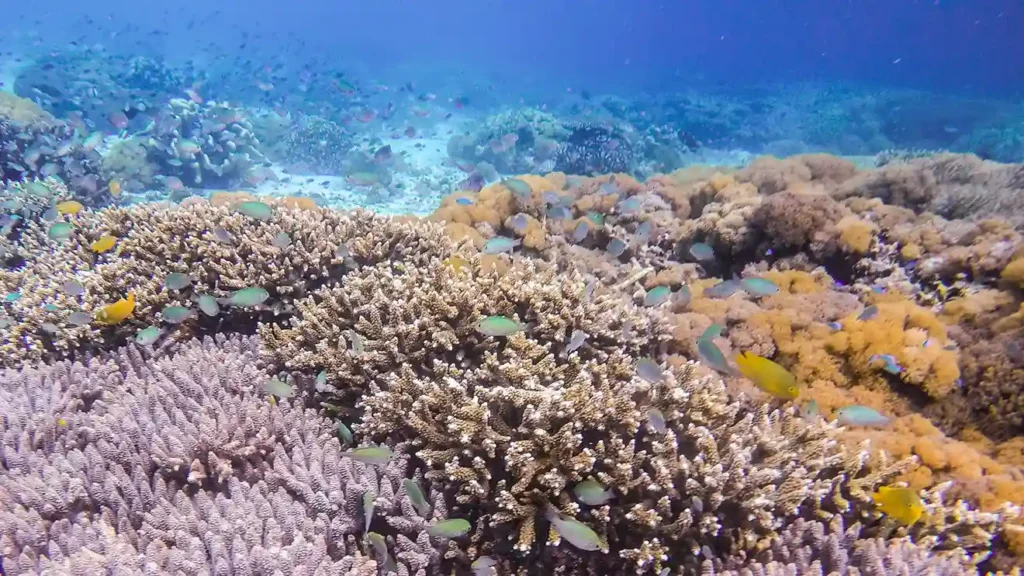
x=576, y=340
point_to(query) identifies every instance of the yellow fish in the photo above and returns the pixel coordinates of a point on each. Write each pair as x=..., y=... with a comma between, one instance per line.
x=62, y=422
x=69, y=207
x=116, y=312
x=115, y=188
x=900, y=504
x=104, y=244
x=457, y=263
x=768, y=376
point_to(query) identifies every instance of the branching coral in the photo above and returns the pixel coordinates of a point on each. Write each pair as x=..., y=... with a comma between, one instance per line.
x=154, y=241
x=395, y=314
x=180, y=464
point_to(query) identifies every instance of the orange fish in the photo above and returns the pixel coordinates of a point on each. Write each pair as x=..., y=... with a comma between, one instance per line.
x=116, y=312
x=104, y=244
x=115, y=188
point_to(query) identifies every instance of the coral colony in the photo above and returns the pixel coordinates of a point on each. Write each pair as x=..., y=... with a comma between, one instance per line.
x=569, y=348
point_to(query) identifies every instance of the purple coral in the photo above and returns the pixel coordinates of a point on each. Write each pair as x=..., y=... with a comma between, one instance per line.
x=180, y=465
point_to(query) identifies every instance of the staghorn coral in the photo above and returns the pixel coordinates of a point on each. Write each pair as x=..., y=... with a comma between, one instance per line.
x=393, y=314
x=518, y=433
x=814, y=547
x=97, y=455
x=155, y=240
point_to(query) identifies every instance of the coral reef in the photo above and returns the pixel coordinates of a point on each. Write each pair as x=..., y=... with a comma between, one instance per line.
x=220, y=249
x=591, y=149
x=316, y=145
x=180, y=465
x=34, y=145
x=203, y=145
x=534, y=358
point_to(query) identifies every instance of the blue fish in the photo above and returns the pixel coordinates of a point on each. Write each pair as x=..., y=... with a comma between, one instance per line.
x=629, y=205
x=861, y=416
x=723, y=289
x=710, y=353
x=463, y=201
x=835, y=325
x=868, y=313
x=500, y=245
x=759, y=287
x=616, y=247
x=702, y=252
x=889, y=363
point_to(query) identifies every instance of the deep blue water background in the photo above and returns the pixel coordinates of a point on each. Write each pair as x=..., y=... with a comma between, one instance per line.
x=540, y=46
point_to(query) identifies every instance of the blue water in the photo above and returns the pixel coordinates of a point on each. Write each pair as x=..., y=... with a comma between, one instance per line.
x=681, y=82
x=607, y=45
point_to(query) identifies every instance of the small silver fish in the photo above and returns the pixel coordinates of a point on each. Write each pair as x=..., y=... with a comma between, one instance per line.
x=452, y=528
x=177, y=281
x=580, y=232
x=861, y=416
x=321, y=381
x=282, y=241
x=176, y=314
x=576, y=340
x=723, y=289
x=376, y=455
x=702, y=252
x=412, y=489
x=592, y=493
x=72, y=288
x=657, y=420
x=868, y=313
x=148, y=336
x=223, y=236
x=616, y=247
x=518, y=222
x=573, y=531
x=80, y=318
x=657, y=296
x=358, y=344
x=279, y=388
x=501, y=245
x=649, y=371
x=484, y=566
x=345, y=433
x=49, y=327
x=368, y=505
x=208, y=305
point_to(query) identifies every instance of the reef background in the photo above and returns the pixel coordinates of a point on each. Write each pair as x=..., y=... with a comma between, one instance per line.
x=315, y=209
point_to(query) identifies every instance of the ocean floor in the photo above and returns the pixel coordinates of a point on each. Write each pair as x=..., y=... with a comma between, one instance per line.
x=421, y=177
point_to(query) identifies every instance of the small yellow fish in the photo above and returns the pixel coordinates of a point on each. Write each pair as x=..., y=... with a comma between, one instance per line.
x=104, y=244
x=768, y=376
x=116, y=312
x=456, y=263
x=69, y=207
x=900, y=504
x=62, y=423
x=115, y=188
